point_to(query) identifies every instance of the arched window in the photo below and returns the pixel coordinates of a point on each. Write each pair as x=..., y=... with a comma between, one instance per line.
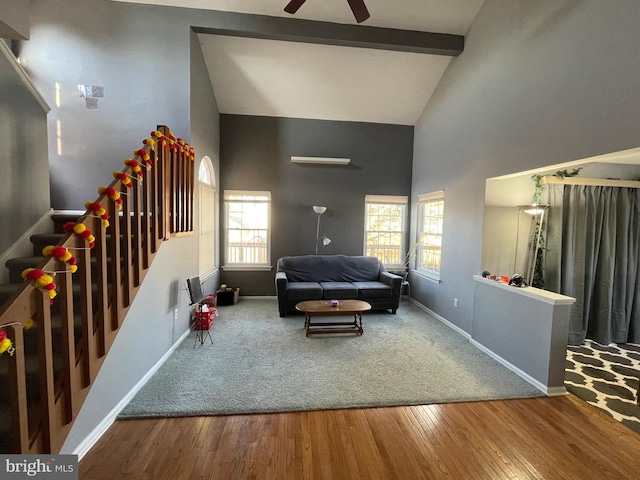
x=207, y=190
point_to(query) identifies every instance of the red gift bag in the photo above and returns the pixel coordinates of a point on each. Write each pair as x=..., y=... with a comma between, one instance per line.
x=204, y=319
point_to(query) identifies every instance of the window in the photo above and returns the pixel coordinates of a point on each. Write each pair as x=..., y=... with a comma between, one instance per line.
x=430, y=221
x=206, y=242
x=385, y=228
x=247, y=218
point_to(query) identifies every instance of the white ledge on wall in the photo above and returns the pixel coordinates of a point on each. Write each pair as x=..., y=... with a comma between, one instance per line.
x=537, y=293
x=247, y=268
x=321, y=160
x=426, y=276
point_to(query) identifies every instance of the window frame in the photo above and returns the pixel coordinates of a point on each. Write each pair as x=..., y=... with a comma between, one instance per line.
x=207, y=183
x=401, y=200
x=423, y=201
x=266, y=265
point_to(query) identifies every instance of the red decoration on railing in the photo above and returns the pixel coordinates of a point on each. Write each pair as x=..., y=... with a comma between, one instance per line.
x=98, y=211
x=113, y=194
x=41, y=280
x=135, y=166
x=159, y=136
x=5, y=343
x=81, y=230
x=123, y=177
x=62, y=254
x=145, y=157
x=175, y=144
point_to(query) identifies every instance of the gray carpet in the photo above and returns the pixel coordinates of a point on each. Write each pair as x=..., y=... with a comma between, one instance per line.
x=261, y=363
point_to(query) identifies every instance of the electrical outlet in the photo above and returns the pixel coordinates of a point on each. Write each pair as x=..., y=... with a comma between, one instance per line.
x=455, y=302
x=175, y=314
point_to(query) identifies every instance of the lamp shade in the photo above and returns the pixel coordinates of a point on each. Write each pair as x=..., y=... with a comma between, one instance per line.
x=319, y=210
x=533, y=209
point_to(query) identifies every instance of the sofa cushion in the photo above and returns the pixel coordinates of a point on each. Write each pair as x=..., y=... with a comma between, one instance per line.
x=304, y=291
x=330, y=268
x=339, y=290
x=373, y=290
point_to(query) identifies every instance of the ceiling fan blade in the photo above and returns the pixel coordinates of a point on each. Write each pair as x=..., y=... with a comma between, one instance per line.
x=359, y=10
x=293, y=6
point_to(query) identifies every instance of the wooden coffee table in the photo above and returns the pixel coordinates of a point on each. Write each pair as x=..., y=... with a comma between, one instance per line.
x=323, y=308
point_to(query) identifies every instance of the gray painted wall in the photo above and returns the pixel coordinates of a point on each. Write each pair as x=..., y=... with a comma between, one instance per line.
x=14, y=19
x=528, y=328
x=24, y=183
x=539, y=83
x=108, y=44
x=147, y=334
x=204, y=128
x=150, y=326
x=255, y=154
x=98, y=42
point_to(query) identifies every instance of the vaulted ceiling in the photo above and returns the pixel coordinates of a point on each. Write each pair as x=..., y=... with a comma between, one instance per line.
x=267, y=77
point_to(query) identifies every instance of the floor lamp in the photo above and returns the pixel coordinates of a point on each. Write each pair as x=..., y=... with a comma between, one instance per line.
x=325, y=239
x=537, y=212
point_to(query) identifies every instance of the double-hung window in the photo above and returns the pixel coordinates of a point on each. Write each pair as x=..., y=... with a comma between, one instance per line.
x=385, y=229
x=430, y=223
x=247, y=229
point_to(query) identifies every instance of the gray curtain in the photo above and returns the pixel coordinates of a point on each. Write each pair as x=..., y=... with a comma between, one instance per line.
x=592, y=254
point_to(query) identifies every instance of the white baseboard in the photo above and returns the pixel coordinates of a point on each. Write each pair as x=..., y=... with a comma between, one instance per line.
x=91, y=439
x=549, y=391
x=442, y=319
x=556, y=391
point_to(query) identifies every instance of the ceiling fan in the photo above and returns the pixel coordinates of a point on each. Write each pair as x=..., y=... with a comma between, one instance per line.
x=358, y=8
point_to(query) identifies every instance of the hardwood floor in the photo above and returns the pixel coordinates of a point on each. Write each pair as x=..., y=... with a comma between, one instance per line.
x=544, y=438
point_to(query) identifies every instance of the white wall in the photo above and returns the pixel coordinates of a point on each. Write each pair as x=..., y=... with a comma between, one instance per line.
x=499, y=241
x=539, y=83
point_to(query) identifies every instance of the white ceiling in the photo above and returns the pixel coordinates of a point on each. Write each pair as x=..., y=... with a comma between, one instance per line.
x=299, y=80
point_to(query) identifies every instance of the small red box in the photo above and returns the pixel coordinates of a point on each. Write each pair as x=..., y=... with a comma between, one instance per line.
x=203, y=320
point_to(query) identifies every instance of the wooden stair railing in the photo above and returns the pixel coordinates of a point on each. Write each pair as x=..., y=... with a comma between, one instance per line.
x=153, y=209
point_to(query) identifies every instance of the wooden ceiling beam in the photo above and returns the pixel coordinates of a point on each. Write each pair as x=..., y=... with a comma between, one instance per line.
x=338, y=34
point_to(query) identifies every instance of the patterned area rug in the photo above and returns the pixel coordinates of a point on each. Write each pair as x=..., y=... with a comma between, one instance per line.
x=606, y=377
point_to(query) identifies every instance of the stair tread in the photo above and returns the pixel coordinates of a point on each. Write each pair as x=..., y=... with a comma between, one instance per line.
x=35, y=259
x=51, y=236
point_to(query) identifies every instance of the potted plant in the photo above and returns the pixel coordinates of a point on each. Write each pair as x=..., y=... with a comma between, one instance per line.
x=408, y=258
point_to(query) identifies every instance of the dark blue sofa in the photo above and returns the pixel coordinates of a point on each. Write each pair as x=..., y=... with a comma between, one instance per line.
x=335, y=277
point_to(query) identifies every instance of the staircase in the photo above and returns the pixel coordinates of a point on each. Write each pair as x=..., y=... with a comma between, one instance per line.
x=56, y=361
